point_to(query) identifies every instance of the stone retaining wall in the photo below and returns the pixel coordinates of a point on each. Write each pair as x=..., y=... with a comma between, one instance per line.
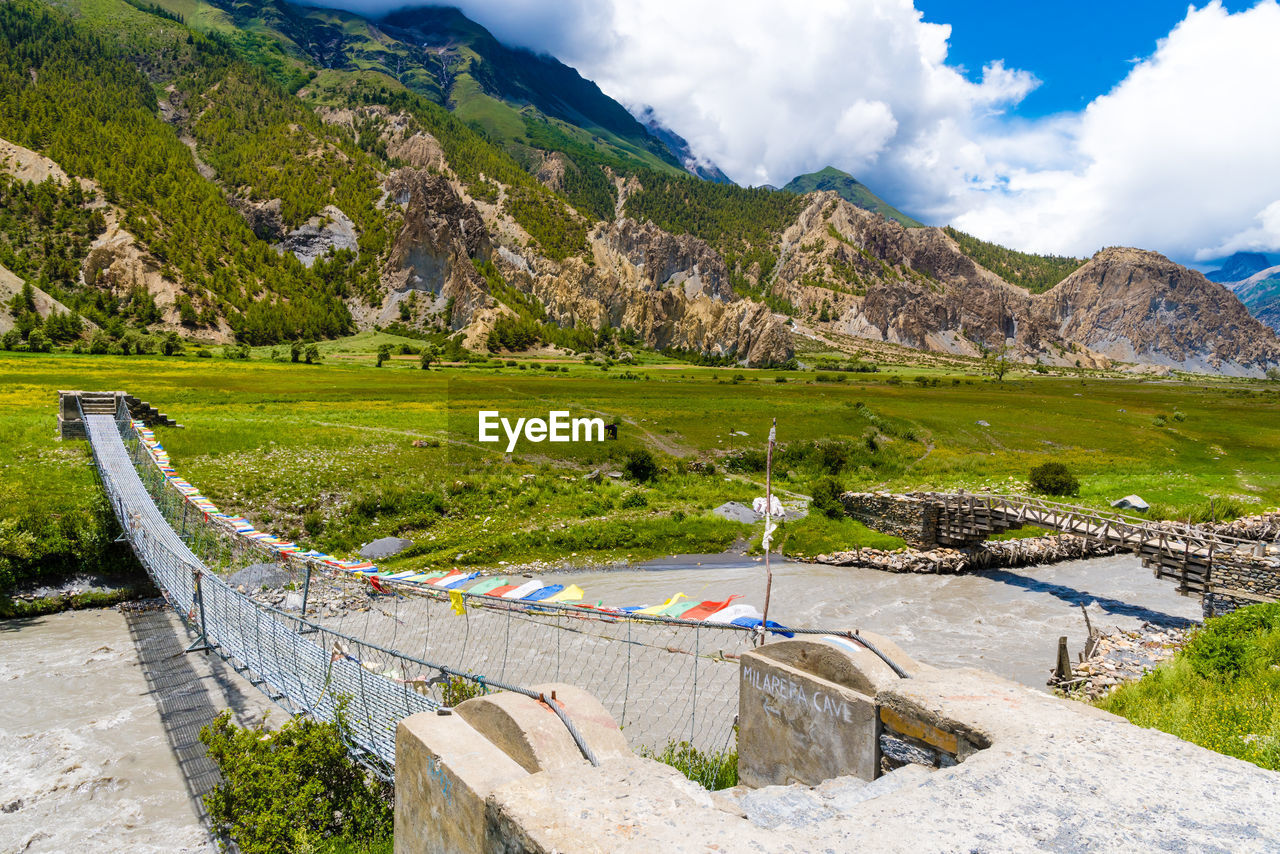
x=1238, y=582
x=902, y=516
x=1003, y=554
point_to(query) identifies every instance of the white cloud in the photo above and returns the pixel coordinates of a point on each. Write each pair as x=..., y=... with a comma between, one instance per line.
x=1265, y=236
x=1179, y=157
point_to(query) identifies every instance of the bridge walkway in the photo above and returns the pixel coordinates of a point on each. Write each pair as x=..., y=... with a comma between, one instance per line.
x=303, y=668
x=1175, y=551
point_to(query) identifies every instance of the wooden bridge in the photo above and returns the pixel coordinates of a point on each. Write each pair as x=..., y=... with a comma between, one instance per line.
x=1227, y=572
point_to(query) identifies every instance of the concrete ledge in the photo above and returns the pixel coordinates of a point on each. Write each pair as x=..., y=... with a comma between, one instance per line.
x=625, y=805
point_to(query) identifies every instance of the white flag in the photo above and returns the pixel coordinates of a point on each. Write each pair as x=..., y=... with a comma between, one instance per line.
x=774, y=506
x=767, y=542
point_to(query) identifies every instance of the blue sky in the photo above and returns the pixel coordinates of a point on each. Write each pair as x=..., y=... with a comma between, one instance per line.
x=1077, y=50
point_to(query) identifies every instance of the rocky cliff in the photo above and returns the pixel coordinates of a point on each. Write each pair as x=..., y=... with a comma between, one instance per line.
x=853, y=272
x=672, y=291
x=873, y=278
x=1139, y=306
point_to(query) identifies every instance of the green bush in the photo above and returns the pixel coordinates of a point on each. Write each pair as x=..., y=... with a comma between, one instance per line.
x=825, y=498
x=1233, y=643
x=1220, y=691
x=634, y=499
x=458, y=690
x=640, y=466
x=1053, y=479
x=284, y=791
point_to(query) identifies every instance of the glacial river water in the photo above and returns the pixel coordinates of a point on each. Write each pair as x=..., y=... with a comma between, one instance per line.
x=1005, y=621
x=99, y=710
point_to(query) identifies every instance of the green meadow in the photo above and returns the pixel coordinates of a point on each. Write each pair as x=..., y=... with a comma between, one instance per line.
x=339, y=453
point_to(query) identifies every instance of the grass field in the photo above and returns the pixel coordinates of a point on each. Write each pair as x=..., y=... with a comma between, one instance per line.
x=326, y=453
x=1219, y=692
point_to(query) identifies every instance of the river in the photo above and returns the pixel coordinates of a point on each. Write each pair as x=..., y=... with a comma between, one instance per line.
x=99, y=710
x=1004, y=621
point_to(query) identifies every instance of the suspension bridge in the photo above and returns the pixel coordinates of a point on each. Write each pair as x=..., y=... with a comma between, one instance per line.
x=375, y=650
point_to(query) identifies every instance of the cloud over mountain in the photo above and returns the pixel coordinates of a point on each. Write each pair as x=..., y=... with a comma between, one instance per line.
x=1177, y=157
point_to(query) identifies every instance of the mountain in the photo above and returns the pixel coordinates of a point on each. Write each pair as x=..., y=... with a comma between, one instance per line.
x=1239, y=266
x=845, y=271
x=681, y=150
x=849, y=189
x=1260, y=293
x=277, y=173
x=1255, y=280
x=518, y=99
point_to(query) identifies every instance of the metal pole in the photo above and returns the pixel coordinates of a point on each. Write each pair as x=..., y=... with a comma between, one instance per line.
x=201, y=643
x=768, y=542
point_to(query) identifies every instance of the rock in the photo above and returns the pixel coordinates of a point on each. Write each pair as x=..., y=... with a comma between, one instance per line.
x=1139, y=306
x=260, y=575
x=1131, y=502
x=735, y=511
x=332, y=230
x=983, y=424
x=384, y=547
x=293, y=601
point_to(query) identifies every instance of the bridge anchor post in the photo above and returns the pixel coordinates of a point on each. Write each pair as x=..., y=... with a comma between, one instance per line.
x=304, y=628
x=201, y=643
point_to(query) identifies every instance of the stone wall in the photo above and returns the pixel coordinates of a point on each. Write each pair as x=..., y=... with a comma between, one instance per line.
x=1237, y=582
x=902, y=516
x=1002, y=554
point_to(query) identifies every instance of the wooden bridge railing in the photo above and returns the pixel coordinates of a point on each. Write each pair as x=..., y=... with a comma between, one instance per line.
x=1116, y=528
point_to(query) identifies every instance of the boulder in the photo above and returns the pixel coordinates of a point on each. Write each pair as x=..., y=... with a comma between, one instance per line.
x=1131, y=502
x=384, y=547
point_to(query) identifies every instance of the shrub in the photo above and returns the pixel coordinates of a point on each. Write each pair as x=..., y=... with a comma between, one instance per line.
x=1228, y=645
x=1053, y=479
x=39, y=342
x=458, y=690
x=634, y=499
x=282, y=790
x=640, y=466
x=711, y=769
x=825, y=497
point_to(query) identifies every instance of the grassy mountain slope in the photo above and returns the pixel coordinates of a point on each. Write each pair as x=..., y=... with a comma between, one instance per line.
x=849, y=189
x=72, y=97
x=1036, y=273
x=441, y=54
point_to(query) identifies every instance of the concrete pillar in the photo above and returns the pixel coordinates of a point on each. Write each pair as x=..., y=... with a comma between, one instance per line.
x=449, y=765
x=807, y=709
